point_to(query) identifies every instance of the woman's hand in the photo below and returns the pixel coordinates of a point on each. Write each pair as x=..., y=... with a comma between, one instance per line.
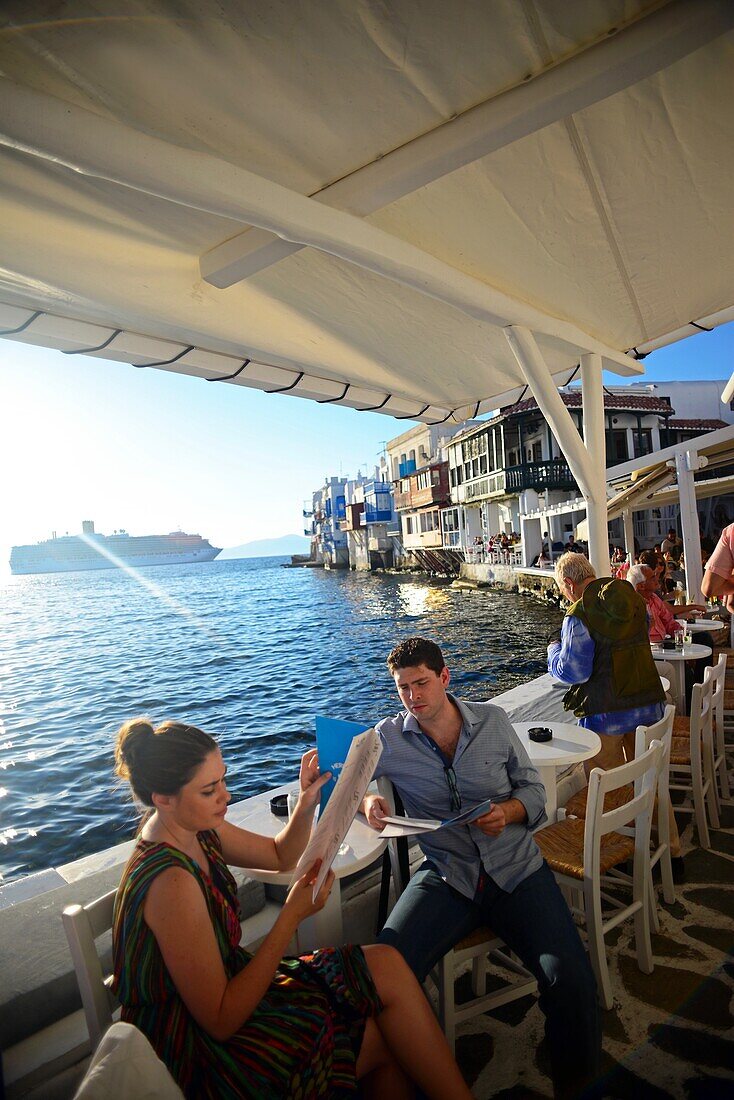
x=309, y=779
x=300, y=903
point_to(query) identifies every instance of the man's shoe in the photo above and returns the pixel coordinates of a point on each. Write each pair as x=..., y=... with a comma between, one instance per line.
x=679, y=868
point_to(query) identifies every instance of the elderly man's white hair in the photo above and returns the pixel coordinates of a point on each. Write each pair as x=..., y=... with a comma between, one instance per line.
x=576, y=567
x=637, y=574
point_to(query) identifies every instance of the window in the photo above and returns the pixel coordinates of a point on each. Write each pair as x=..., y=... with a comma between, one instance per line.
x=617, y=450
x=451, y=520
x=643, y=442
x=537, y=451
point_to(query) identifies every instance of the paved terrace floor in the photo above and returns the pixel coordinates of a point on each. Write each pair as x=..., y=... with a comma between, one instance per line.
x=669, y=1033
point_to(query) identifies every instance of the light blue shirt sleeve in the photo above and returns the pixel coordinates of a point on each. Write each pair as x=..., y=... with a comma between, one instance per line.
x=572, y=659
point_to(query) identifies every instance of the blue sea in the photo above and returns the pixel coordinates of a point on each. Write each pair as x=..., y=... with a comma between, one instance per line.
x=246, y=649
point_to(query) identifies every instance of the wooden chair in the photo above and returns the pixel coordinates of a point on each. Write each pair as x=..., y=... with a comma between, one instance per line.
x=576, y=807
x=661, y=731
x=691, y=761
x=720, y=769
x=83, y=924
x=477, y=948
x=581, y=852
x=722, y=722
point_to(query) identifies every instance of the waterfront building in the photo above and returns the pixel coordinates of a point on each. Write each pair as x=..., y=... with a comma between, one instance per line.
x=370, y=522
x=512, y=465
x=328, y=542
x=419, y=473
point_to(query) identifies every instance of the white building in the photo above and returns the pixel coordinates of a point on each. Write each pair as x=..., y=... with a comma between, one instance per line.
x=419, y=474
x=370, y=522
x=328, y=542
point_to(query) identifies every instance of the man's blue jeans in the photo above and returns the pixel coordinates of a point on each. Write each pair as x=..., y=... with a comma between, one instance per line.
x=535, y=922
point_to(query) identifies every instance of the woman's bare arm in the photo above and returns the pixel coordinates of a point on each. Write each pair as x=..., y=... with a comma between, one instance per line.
x=280, y=853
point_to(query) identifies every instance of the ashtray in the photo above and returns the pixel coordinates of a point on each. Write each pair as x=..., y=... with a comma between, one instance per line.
x=540, y=733
x=279, y=805
x=668, y=644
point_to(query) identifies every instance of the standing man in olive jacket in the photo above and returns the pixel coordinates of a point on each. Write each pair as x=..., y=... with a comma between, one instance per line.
x=605, y=655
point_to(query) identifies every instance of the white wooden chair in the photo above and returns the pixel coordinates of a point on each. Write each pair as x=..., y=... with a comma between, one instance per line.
x=83, y=924
x=580, y=852
x=720, y=769
x=691, y=761
x=661, y=731
x=476, y=948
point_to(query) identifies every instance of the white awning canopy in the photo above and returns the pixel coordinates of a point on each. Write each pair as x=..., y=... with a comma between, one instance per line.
x=452, y=169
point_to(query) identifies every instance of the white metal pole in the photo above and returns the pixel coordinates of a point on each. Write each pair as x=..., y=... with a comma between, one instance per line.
x=592, y=397
x=685, y=463
x=629, y=534
x=525, y=349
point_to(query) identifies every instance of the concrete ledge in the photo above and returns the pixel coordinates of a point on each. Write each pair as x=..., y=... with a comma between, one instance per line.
x=39, y=984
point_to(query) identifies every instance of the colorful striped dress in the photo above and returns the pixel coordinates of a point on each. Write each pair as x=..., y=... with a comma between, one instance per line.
x=303, y=1039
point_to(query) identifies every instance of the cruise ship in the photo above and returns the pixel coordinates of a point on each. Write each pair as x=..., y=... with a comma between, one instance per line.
x=71, y=553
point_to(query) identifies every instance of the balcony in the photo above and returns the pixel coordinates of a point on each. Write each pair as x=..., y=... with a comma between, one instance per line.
x=352, y=520
x=402, y=501
x=552, y=474
x=377, y=515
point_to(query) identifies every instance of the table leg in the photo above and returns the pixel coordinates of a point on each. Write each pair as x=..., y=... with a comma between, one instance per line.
x=680, y=684
x=323, y=929
x=547, y=775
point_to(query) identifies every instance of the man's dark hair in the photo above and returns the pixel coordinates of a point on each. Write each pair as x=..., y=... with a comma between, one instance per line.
x=649, y=557
x=416, y=651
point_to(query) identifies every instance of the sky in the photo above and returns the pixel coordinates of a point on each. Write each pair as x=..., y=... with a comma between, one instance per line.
x=152, y=451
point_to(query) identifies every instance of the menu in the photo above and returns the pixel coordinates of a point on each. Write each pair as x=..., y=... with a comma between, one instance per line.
x=344, y=802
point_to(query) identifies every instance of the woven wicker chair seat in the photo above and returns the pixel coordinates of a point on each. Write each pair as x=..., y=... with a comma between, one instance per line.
x=479, y=935
x=680, y=750
x=562, y=846
x=681, y=727
x=576, y=805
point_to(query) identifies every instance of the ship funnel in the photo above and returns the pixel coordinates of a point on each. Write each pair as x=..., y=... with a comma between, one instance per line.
x=87, y=526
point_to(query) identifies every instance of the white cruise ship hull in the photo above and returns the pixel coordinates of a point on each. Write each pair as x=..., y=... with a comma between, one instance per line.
x=49, y=565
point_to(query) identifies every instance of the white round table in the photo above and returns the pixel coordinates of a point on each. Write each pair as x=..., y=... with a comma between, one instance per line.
x=365, y=845
x=697, y=625
x=569, y=745
x=676, y=657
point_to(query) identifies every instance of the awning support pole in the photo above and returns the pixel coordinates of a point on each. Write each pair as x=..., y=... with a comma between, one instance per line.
x=629, y=535
x=587, y=462
x=592, y=398
x=685, y=464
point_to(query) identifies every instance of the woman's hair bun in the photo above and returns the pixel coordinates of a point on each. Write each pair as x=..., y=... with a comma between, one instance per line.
x=161, y=760
x=131, y=739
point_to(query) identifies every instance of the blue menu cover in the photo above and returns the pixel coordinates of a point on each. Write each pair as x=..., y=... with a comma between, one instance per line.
x=333, y=738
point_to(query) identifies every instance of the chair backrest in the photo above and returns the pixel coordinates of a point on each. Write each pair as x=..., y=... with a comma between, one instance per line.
x=661, y=731
x=396, y=846
x=718, y=681
x=643, y=768
x=83, y=924
x=701, y=716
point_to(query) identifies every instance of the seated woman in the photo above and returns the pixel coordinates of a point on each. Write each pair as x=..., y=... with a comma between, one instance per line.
x=232, y=1024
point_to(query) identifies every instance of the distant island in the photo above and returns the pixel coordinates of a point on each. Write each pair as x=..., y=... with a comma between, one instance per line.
x=268, y=548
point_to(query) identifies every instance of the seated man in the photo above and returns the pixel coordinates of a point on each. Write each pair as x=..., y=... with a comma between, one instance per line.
x=661, y=621
x=444, y=754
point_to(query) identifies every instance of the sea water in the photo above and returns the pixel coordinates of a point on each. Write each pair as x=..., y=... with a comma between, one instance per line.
x=246, y=649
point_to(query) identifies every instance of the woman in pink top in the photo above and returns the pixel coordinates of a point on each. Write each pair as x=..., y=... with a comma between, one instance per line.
x=718, y=579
